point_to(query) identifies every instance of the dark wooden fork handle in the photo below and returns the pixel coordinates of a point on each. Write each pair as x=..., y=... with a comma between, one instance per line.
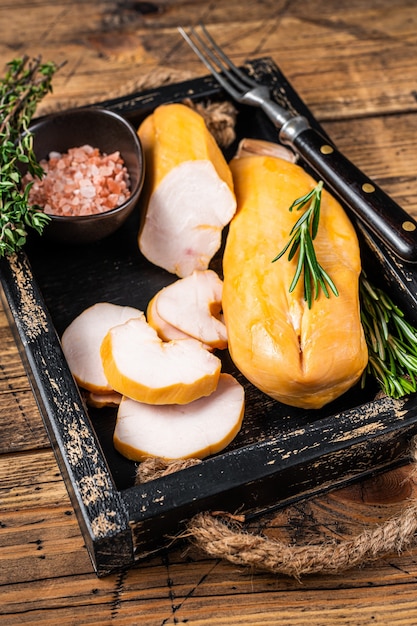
x=383, y=216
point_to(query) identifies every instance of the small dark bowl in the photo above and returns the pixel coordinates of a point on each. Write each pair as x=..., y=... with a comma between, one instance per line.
x=108, y=132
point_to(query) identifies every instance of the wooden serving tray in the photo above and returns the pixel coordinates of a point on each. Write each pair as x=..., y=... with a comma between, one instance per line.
x=281, y=454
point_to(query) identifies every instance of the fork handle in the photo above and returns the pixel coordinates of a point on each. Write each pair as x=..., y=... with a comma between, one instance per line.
x=384, y=217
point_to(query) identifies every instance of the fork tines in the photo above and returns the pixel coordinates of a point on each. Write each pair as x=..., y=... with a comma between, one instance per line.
x=230, y=77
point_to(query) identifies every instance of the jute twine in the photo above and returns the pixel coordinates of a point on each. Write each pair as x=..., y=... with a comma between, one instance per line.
x=221, y=534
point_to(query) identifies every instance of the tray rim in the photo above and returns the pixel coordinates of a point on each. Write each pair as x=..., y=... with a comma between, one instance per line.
x=117, y=524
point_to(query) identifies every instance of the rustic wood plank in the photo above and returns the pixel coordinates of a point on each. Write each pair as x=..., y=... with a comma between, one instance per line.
x=21, y=423
x=384, y=148
x=209, y=591
x=22, y=426
x=28, y=474
x=359, y=68
x=36, y=515
x=12, y=373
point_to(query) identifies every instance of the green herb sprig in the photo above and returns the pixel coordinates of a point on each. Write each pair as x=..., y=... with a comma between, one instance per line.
x=26, y=82
x=391, y=340
x=301, y=240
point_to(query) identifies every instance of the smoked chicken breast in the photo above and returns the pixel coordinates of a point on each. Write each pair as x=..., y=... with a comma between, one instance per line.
x=188, y=195
x=303, y=357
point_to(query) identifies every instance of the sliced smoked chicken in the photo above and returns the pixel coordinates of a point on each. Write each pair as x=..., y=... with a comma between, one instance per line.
x=138, y=364
x=191, y=305
x=81, y=342
x=188, y=191
x=173, y=431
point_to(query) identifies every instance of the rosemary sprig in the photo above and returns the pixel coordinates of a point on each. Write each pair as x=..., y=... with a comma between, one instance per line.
x=301, y=240
x=26, y=82
x=391, y=340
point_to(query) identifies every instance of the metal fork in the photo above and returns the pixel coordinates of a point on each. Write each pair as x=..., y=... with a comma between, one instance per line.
x=239, y=85
x=370, y=204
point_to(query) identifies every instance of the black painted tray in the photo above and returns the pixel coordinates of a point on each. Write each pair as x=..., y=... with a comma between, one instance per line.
x=281, y=454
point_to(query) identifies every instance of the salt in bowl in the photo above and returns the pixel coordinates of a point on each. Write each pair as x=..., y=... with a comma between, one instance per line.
x=102, y=129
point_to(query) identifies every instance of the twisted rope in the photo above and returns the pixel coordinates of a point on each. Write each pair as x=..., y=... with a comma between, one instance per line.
x=221, y=536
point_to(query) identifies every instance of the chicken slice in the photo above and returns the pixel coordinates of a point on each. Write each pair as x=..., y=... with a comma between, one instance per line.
x=103, y=400
x=138, y=364
x=166, y=331
x=82, y=339
x=192, y=305
x=197, y=429
x=189, y=191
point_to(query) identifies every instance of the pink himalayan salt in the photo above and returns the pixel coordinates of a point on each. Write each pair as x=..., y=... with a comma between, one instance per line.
x=82, y=181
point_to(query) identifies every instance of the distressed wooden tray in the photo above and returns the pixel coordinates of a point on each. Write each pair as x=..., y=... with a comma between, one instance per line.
x=281, y=454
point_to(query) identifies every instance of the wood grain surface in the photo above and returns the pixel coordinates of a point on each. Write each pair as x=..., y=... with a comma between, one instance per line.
x=355, y=65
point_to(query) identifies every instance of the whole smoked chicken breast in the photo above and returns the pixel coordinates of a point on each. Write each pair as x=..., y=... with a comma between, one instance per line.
x=299, y=356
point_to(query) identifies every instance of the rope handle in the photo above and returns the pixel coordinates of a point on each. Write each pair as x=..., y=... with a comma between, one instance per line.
x=220, y=535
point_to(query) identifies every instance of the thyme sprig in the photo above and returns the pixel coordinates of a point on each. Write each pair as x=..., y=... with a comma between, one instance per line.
x=391, y=340
x=24, y=85
x=301, y=240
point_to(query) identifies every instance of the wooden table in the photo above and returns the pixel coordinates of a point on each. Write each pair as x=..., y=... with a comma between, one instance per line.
x=355, y=65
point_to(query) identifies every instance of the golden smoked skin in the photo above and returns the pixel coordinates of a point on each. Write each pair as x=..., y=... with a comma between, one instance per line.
x=299, y=356
x=174, y=133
